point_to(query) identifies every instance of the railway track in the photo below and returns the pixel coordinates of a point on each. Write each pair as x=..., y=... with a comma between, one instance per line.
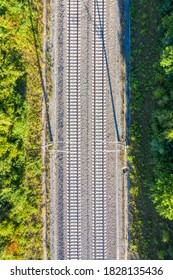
x=87, y=184
x=98, y=132
x=73, y=173
x=73, y=132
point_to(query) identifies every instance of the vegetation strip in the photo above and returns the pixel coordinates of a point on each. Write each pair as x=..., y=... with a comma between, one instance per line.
x=151, y=196
x=20, y=130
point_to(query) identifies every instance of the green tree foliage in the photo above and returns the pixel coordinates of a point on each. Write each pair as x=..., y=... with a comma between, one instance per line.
x=151, y=148
x=20, y=163
x=162, y=144
x=164, y=196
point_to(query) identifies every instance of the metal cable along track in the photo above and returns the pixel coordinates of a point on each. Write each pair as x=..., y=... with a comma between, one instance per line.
x=73, y=132
x=98, y=132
